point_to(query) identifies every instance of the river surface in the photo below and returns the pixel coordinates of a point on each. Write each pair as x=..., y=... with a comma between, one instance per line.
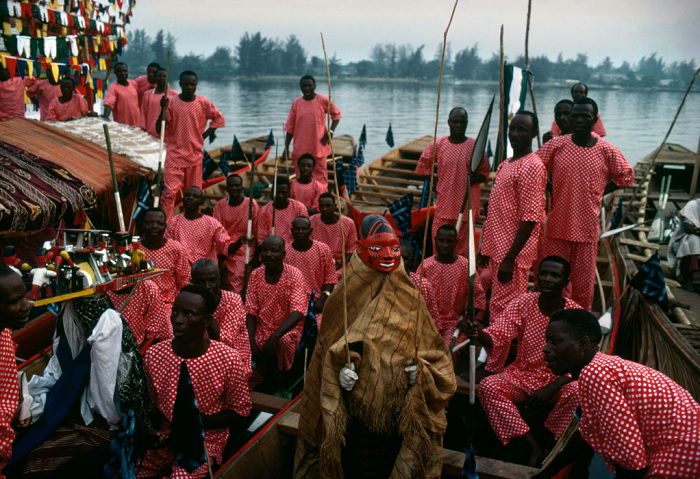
x=636, y=121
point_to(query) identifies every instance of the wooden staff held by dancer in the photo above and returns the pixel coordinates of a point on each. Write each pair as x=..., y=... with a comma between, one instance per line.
x=249, y=230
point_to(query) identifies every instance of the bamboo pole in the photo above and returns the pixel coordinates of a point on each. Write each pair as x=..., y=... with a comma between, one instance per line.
x=115, y=185
x=432, y=172
x=249, y=230
x=338, y=206
x=502, y=106
x=527, y=68
x=274, y=191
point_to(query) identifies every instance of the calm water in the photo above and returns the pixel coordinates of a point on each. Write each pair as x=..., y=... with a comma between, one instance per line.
x=636, y=121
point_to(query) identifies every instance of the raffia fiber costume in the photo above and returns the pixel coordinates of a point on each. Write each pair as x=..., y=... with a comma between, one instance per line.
x=381, y=332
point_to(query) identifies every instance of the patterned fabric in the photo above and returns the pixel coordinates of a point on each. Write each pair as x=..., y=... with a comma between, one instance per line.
x=219, y=379
x=315, y=264
x=147, y=315
x=150, y=109
x=401, y=212
x=124, y=102
x=142, y=86
x=598, y=127
x=173, y=257
x=452, y=167
x=503, y=293
x=428, y=293
x=201, y=238
x=235, y=220
x=75, y=108
x=451, y=285
x=635, y=417
x=36, y=193
x=12, y=98
x=272, y=304
x=9, y=395
x=517, y=195
x=46, y=93
x=175, y=178
x=330, y=234
x=230, y=316
x=579, y=177
x=651, y=281
x=307, y=193
x=307, y=122
x=500, y=394
x=582, y=256
x=283, y=220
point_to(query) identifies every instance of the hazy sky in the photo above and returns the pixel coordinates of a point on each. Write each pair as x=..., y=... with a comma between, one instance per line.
x=621, y=29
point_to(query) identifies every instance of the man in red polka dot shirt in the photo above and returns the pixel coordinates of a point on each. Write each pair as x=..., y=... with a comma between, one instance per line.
x=14, y=313
x=640, y=421
x=453, y=158
x=218, y=376
x=187, y=116
x=285, y=210
x=583, y=168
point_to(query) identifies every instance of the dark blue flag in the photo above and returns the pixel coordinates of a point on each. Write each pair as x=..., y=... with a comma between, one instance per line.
x=390, y=137
x=310, y=331
x=424, y=193
x=270, y=140
x=469, y=469
x=350, y=179
x=617, y=215
x=237, y=155
x=358, y=156
x=186, y=429
x=206, y=163
x=363, y=136
x=651, y=281
x=223, y=165
x=401, y=212
x=143, y=198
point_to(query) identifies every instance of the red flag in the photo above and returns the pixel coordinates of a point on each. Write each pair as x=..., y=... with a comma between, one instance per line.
x=11, y=64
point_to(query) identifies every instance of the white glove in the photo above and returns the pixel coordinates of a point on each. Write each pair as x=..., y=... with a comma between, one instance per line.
x=348, y=377
x=411, y=373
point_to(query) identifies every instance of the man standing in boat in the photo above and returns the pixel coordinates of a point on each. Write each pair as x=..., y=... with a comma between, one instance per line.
x=562, y=110
x=527, y=378
x=186, y=129
x=580, y=90
x=583, y=168
x=14, y=313
x=638, y=420
x=327, y=228
x=150, y=102
x=306, y=125
x=516, y=211
x=122, y=99
x=454, y=153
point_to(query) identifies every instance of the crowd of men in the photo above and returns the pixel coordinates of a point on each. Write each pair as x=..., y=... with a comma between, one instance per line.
x=224, y=321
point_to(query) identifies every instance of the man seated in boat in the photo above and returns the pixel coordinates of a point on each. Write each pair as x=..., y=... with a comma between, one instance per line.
x=228, y=320
x=315, y=262
x=583, y=167
x=327, y=229
x=304, y=187
x=527, y=378
x=453, y=155
x=640, y=421
x=307, y=125
x=276, y=303
x=218, y=379
x=201, y=235
x=562, y=110
x=285, y=210
x=449, y=274
x=14, y=314
x=69, y=105
x=377, y=410
x=684, y=246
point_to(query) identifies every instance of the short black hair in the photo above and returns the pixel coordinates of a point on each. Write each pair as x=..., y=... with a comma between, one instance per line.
x=446, y=227
x=307, y=77
x=152, y=209
x=119, y=64
x=282, y=180
x=161, y=69
x=327, y=194
x=307, y=156
x=535, y=121
x=577, y=84
x=580, y=323
x=561, y=261
x=154, y=65
x=466, y=115
x=209, y=299
x=188, y=72
x=587, y=101
x=202, y=262
x=302, y=217
x=234, y=175
x=564, y=101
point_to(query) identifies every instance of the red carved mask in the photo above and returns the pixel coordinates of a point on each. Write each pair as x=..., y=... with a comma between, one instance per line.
x=378, y=246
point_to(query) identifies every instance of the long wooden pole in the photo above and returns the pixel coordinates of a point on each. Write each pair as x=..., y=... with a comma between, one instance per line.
x=502, y=105
x=433, y=160
x=249, y=230
x=161, y=152
x=527, y=68
x=115, y=185
x=673, y=123
x=274, y=191
x=338, y=205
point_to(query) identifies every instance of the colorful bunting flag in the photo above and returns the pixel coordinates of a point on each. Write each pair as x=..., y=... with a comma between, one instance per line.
x=389, y=137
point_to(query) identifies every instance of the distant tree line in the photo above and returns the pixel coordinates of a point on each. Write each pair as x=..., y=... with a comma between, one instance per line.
x=256, y=55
